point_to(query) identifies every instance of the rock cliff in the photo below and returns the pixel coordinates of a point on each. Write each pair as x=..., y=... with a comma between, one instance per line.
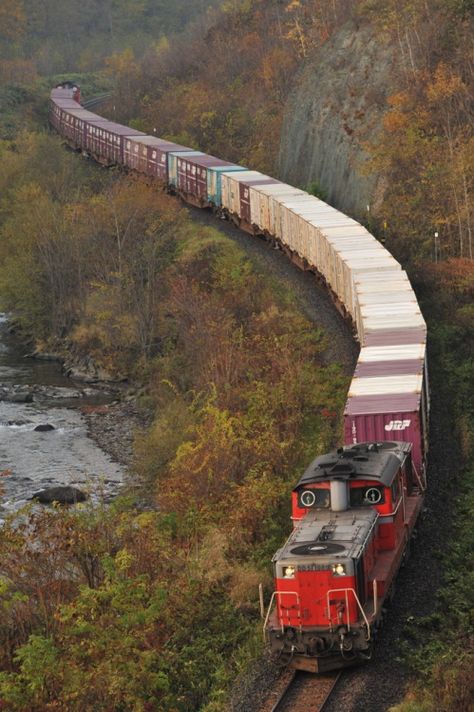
x=335, y=108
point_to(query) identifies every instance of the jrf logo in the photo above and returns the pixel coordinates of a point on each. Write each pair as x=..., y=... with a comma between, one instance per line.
x=398, y=425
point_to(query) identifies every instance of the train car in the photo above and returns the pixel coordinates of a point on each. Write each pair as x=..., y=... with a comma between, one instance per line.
x=354, y=511
x=198, y=177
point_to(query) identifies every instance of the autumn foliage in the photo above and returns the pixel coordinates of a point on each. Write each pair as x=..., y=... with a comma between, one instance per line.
x=152, y=603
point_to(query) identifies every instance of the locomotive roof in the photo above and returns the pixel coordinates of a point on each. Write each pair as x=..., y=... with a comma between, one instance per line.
x=325, y=536
x=365, y=461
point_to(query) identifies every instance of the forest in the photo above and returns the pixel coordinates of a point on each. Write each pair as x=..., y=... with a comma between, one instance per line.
x=107, y=607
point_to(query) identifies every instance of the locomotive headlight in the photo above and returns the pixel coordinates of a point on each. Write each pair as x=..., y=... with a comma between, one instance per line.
x=288, y=572
x=339, y=569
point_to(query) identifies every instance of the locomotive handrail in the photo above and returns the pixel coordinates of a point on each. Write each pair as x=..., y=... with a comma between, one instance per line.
x=421, y=480
x=270, y=605
x=392, y=514
x=346, y=592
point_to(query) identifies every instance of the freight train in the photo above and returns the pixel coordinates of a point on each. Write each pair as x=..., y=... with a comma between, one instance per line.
x=353, y=510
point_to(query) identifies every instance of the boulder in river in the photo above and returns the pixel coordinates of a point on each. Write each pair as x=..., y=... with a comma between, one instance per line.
x=44, y=428
x=18, y=397
x=61, y=494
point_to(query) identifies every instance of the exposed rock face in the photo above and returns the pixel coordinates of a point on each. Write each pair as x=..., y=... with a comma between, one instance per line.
x=44, y=428
x=84, y=369
x=336, y=107
x=62, y=495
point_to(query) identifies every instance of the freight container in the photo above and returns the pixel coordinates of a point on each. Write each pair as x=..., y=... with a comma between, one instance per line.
x=105, y=140
x=245, y=196
x=214, y=182
x=374, y=299
x=357, y=271
x=338, y=254
x=397, y=357
x=292, y=217
x=369, y=287
x=373, y=323
x=318, y=240
x=352, y=267
x=194, y=180
x=260, y=202
x=173, y=164
x=230, y=189
x=387, y=336
x=387, y=408
x=312, y=241
x=397, y=352
x=74, y=123
x=299, y=235
x=325, y=225
x=58, y=107
x=149, y=155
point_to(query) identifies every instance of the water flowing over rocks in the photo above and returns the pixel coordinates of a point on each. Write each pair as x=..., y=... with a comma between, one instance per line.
x=45, y=441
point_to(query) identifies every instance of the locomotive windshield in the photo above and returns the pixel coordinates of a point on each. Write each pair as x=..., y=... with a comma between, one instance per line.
x=367, y=496
x=314, y=498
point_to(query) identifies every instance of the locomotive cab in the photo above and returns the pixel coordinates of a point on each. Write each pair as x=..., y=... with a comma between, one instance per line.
x=71, y=89
x=352, y=513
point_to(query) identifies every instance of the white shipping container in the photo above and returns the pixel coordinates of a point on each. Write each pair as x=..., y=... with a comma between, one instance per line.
x=405, y=294
x=402, y=322
x=402, y=352
x=259, y=201
x=284, y=212
x=320, y=240
x=323, y=220
x=366, y=314
x=384, y=385
x=230, y=187
x=356, y=270
x=379, y=287
x=339, y=262
x=338, y=253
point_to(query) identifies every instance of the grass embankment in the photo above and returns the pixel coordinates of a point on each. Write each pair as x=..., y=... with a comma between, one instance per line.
x=118, y=608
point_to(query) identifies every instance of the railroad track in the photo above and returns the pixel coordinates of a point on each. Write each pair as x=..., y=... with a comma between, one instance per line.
x=95, y=101
x=297, y=691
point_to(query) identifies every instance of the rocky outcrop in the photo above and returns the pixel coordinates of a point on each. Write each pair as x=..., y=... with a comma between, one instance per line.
x=336, y=106
x=86, y=370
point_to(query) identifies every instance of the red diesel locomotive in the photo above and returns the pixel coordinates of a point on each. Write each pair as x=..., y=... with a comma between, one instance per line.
x=354, y=511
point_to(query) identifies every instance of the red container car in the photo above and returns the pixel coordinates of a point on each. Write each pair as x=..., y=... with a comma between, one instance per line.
x=105, y=141
x=149, y=155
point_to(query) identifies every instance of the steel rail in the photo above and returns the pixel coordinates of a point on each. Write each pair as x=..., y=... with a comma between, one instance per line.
x=305, y=692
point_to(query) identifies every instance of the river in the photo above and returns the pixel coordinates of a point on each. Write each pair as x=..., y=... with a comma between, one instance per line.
x=31, y=461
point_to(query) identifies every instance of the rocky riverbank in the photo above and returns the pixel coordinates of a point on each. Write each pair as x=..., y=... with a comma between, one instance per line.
x=114, y=427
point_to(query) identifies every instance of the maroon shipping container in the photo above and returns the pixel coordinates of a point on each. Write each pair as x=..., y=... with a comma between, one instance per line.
x=245, y=195
x=58, y=110
x=105, y=140
x=389, y=368
x=395, y=337
x=149, y=155
x=192, y=175
x=74, y=123
x=396, y=417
